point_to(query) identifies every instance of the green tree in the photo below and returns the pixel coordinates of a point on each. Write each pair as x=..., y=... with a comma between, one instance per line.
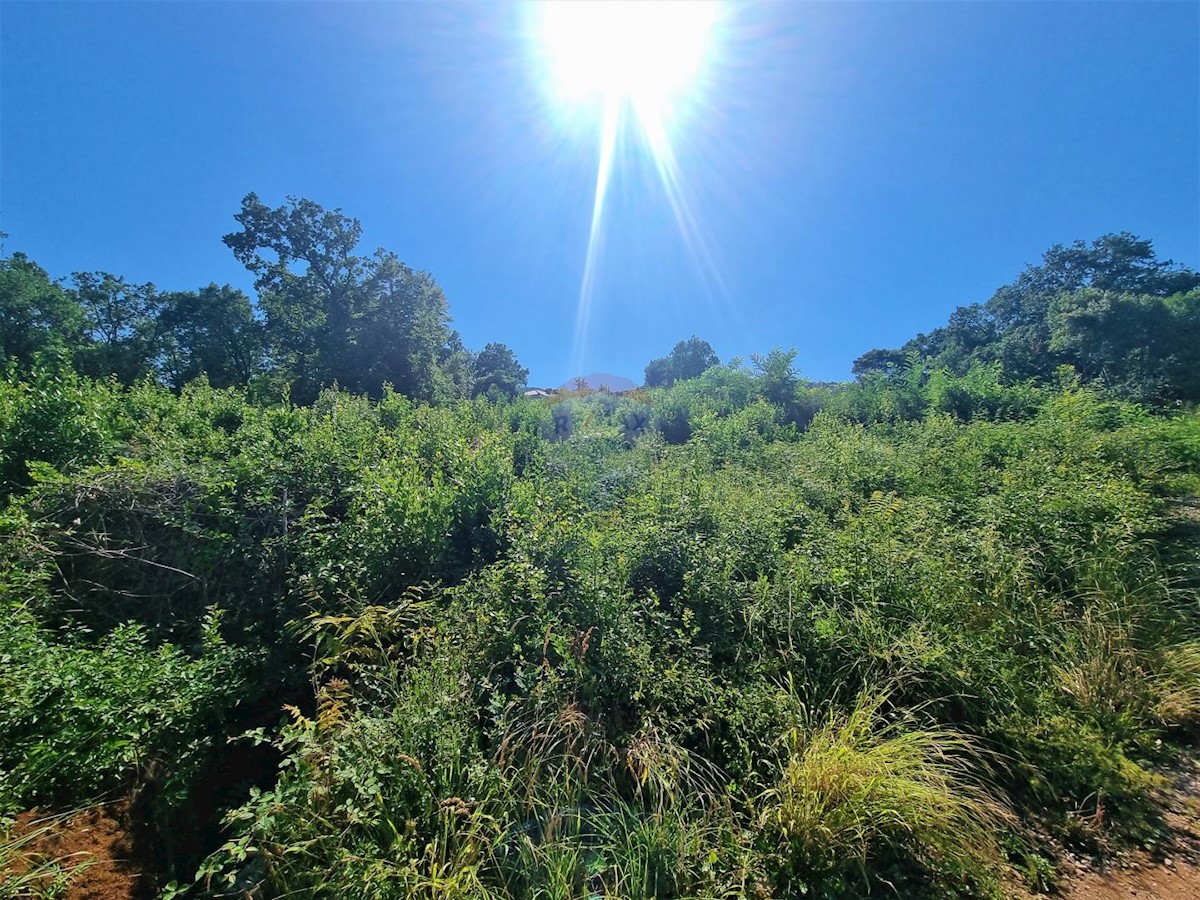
x=333, y=316
x=1123, y=263
x=688, y=359
x=1145, y=347
x=306, y=273
x=211, y=332
x=879, y=362
x=401, y=334
x=497, y=371
x=658, y=372
x=120, y=326
x=36, y=315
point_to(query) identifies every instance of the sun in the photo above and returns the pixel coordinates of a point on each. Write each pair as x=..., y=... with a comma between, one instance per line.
x=646, y=53
x=641, y=61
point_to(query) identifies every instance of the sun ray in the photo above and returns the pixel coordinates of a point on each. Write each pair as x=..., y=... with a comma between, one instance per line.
x=667, y=166
x=639, y=62
x=608, y=143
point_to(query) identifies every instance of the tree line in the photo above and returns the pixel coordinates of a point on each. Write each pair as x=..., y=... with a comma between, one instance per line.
x=1109, y=315
x=1123, y=319
x=325, y=314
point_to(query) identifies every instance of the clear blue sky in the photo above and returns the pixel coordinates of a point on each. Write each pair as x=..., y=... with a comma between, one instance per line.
x=856, y=170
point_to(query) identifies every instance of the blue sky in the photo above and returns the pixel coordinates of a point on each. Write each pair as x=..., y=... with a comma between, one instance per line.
x=854, y=171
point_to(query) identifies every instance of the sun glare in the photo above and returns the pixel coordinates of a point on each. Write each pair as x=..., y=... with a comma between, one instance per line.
x=643, y=52
x=637, y=58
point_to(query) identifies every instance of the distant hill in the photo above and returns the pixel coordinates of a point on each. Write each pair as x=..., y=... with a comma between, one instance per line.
x=616, y=384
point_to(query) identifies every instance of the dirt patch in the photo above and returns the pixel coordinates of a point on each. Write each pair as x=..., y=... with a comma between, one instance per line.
x=1154, y=883
x=1168, y=870
x=90, y=852
x=126, y=849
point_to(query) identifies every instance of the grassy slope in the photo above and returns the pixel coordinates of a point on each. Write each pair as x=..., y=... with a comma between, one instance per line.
x=761, y=662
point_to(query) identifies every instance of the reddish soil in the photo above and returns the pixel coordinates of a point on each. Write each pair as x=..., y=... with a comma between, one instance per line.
x=93, y=846
x=1154, y=883
x=1169, y=870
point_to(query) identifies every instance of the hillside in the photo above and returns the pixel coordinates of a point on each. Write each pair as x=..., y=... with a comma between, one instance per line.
x=843, y=658
x=930, y=633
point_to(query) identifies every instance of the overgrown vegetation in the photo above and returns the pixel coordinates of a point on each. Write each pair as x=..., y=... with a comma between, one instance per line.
x=736, y=635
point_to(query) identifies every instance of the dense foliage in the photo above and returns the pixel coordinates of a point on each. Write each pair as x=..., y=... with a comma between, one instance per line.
x=688, y=359
x=737, y=635
x=323, y=315
x=1122, y=318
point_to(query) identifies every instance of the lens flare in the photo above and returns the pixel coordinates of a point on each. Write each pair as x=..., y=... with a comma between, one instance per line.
x=638, y=61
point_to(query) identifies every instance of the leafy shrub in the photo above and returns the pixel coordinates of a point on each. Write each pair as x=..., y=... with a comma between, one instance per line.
x=81, y=719
x=54, y=418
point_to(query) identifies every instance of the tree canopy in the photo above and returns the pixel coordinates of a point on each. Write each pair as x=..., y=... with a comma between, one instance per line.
x=497, y=372
x=332, y=316
x=211, y=332
x=323, y=314
x=688, y=359
x=36, y=315
x=1111, y=309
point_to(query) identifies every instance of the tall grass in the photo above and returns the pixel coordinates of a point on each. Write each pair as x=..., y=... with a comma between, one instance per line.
x=856, y=792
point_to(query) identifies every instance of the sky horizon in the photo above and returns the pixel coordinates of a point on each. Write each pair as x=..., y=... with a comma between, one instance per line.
x=848, y=173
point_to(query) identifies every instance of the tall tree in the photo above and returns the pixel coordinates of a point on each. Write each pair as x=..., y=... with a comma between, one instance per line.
x=211, y=332
x=120, y=326
x=688, y=359
x=306, y=275
x=402, y=333
x=334, y=316
x=497, y=371
x=36, y=315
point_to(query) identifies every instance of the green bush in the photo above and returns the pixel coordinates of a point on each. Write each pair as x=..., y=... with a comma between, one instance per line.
x=80, y=719
x=527, y=662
